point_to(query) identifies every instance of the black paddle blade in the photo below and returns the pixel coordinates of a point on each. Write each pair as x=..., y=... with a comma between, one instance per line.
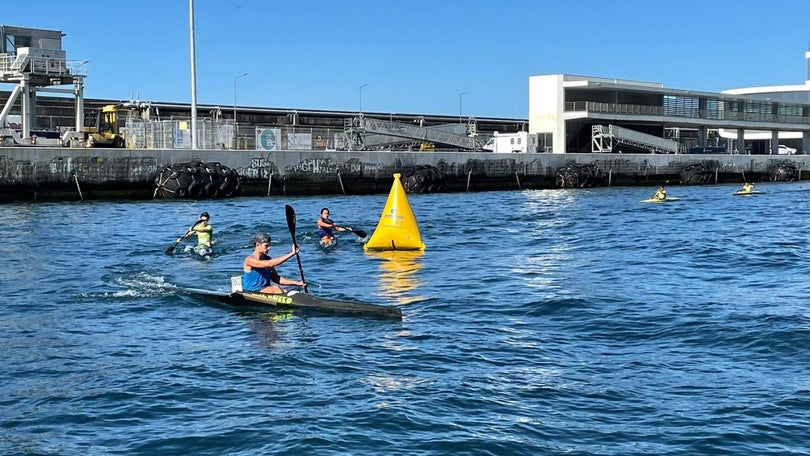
x=291, y=220
x=170, y=249
x=360, y=233
x=291, y=225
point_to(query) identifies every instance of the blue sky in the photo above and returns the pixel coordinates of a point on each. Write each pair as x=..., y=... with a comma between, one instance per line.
x=418, y=56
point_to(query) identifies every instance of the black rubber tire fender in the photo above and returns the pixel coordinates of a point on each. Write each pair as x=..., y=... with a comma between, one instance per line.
x=225, y=188
x=212, y=189
x=196, y=189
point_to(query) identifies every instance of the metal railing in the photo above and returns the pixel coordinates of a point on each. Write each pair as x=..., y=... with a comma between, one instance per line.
x=224, y=135
x=688, y=113
x=10, y=63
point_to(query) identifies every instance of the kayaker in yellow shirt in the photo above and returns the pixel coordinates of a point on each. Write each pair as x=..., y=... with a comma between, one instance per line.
x=660, y=194
x=203, y=230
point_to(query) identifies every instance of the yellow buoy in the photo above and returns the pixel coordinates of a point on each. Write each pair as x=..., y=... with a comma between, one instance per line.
x=397, y=228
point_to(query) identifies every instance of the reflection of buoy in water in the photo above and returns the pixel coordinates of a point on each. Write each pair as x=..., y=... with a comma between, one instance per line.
x=397, y=228
x=399, y=276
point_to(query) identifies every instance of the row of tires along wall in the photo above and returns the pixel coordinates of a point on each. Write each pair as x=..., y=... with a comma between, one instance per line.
x=197, y=180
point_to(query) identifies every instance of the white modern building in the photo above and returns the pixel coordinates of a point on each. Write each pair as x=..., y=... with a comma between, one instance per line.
x=573, y=113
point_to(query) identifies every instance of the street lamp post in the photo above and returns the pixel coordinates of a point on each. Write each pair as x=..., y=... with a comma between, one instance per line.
x=361, y=95
x=459, y=105
x=192, y=48
x=234, y=107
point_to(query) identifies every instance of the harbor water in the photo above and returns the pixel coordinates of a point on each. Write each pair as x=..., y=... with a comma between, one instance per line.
x=536, y=322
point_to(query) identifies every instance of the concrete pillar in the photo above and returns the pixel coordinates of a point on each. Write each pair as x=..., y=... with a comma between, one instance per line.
x=774, y=141
x=702, y=136
x=805, y=142
x=78, y=95
x=32, y=109
x=25, y=107
x=741, y=141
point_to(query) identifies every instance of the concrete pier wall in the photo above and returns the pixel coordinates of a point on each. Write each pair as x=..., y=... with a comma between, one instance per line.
x=46, y=173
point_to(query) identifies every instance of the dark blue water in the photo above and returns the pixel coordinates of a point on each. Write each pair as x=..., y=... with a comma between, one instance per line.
x=536, y=322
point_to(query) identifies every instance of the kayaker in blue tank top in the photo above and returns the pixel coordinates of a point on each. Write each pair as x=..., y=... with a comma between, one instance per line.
x=259, y=269
x=325, y=227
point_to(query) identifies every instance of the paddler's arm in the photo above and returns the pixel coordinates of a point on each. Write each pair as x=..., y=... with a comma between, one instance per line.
x=272, y=262
x=189, y=232
x=331, y=224
x=286, y=281
x=322, y=224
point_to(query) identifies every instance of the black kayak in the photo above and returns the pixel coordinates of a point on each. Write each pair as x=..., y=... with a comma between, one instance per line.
x=298, y=301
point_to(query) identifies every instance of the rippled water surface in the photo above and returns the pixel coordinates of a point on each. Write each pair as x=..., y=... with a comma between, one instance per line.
x=536, y=322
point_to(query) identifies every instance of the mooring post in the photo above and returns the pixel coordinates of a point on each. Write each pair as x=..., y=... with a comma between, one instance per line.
x=518, y=180
x=341, y=182
x=269, y=183
x=743, y=174
x=610, y=176
x=716, y=171
x=76, y=179
x=469, y=175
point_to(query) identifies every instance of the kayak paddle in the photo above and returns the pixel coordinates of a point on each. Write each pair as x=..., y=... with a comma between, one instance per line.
x=171, y=248
x=291, y=225
x=359, y=233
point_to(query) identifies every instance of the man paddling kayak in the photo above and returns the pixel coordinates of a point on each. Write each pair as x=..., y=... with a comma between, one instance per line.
x=259, y=269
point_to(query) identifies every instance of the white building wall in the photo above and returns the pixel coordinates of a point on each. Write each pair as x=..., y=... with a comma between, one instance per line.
x=546, y=106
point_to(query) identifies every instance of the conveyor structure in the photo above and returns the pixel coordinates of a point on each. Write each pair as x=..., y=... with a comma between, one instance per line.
x=604, y=138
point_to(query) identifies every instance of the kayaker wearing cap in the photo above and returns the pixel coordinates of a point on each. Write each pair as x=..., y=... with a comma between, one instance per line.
x=260, y=272
x=203, y=229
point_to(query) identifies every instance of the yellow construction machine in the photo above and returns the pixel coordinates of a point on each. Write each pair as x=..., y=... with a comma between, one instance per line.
x=105, y=132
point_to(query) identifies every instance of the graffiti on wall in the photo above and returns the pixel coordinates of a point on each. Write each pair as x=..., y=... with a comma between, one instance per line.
x=329, y=166
x=259, y=168
x=102, y=169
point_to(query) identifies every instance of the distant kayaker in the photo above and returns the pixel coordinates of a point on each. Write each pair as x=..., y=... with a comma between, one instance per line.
x=748, y=187
x=325, y=227
x=660, y=194
x=260, y=272
x=204, y=232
